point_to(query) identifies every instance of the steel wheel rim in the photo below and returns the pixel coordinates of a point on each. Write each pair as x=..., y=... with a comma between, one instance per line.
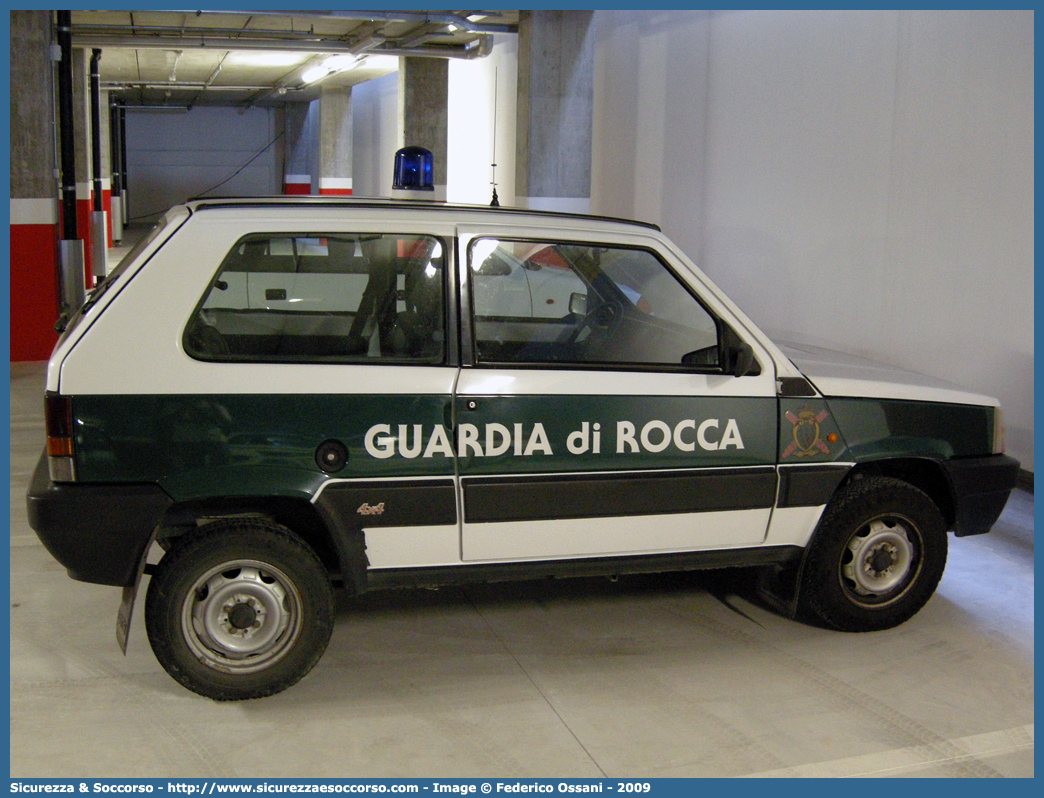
x=881, y=561
x=241, y=616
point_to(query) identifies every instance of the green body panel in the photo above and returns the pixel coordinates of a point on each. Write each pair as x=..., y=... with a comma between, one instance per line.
x=198, y=446
x=809, y=433
x=877, y=429
x=742, y=431
x=245, y=444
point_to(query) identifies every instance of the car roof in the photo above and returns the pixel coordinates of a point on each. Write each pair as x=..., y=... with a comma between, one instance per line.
x=492, y=212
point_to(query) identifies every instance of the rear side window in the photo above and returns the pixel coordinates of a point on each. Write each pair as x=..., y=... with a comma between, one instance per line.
x=324, y=298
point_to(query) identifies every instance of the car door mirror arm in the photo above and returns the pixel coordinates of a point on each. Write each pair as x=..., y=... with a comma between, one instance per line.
x=737, y=356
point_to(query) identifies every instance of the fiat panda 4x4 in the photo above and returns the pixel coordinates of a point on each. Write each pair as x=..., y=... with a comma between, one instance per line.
x=290, y=396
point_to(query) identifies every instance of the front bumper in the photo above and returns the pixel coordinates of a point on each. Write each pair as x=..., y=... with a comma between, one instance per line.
x=98, y=532
x=981, y=486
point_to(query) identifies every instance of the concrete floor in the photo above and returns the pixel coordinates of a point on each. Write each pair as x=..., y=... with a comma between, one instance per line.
x=674, y=676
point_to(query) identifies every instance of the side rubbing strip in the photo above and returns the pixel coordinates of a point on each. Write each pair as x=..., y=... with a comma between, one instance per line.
x=430, y=502
x=606, y=495
x=809, y=486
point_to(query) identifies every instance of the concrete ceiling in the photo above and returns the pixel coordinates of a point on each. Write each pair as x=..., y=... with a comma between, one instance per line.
x=245, y=58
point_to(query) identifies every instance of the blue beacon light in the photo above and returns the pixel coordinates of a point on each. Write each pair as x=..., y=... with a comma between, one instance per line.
x=413, y=170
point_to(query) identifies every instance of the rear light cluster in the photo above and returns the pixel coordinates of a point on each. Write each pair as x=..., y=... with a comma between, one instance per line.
x=60, y=449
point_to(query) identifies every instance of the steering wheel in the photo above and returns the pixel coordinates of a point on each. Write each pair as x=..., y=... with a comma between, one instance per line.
x=594, y=329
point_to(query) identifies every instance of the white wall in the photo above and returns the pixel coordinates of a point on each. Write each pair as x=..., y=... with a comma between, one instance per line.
x=470, y=127
x=172, y=156
x=857, y=180
x=375, y=122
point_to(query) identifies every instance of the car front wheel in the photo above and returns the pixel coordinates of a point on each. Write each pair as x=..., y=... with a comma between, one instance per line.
x=876, y=557
x=242, y=608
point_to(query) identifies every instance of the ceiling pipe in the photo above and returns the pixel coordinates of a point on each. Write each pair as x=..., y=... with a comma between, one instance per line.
x=210, y=79
x=94, y=28
x=371, y=41
x=174, y=67
x=216, y=43
x=328, y=46
x=118, y=85
x=178, y=109
x=444, y=17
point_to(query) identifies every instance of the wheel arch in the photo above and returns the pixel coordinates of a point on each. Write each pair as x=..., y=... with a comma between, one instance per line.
x=337, y=549
x=924, y=474
x=780, y=586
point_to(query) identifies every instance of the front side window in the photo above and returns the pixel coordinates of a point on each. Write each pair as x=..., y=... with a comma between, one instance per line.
x=555, y=302
x=324, y=298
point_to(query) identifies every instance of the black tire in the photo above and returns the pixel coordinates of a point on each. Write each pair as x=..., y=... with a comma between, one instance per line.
x=876, y=556
x=241, y=608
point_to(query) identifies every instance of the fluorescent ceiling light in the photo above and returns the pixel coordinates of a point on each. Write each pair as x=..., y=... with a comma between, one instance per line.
x=382, y=63
x=340, y=63
x=262, y=59
x=315, y=73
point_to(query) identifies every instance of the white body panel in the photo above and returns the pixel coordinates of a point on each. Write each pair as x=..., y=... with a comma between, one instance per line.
x=838, y=374
x=194, y=256
x=563, y=382
x=593, y=537
x=412, y=546
x=793, y=526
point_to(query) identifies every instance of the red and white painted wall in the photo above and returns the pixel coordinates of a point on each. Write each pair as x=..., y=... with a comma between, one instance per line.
x=297, y=184
x=34, y=278
x=335, y=186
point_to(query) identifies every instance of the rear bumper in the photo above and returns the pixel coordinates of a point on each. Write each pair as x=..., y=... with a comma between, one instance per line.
x=98, y=532
x=981, y=486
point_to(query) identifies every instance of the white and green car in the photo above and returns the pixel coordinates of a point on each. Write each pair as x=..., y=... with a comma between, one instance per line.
x=314, y=394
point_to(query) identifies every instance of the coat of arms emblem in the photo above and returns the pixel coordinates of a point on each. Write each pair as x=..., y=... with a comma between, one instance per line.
x=807, y=433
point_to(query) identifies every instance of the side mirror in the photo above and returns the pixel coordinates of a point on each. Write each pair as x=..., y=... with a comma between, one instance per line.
x=743, y=360
x=737, y=356
x=578, y=304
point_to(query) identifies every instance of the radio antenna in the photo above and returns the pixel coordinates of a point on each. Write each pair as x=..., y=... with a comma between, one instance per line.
x=496, y=200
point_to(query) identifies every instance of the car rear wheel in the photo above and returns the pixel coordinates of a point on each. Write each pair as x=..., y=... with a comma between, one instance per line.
x=876, y=558
x=240, y=609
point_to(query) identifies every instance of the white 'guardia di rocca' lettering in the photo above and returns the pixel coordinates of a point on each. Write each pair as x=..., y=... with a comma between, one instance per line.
x=658, y=435
x=495, y=439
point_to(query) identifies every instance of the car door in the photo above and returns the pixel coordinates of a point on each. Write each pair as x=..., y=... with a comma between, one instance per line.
x=612, y=427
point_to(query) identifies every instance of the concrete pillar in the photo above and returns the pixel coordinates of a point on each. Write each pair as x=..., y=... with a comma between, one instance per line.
x=335, y=142
x=300, y=148
x=555, y=110
x=34, y=205
x=106, y=159
x=82, y=136
x=423, y=102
